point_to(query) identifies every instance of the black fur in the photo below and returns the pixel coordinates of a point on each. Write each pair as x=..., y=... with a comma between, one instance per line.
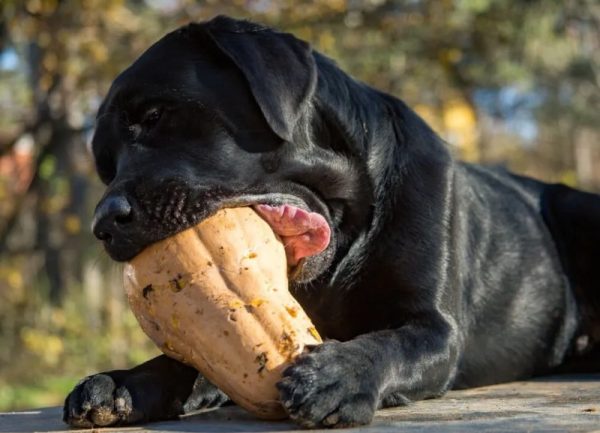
x=440, y=274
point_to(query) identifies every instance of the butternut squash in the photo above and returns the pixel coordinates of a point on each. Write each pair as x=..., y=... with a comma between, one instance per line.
x=216, y=297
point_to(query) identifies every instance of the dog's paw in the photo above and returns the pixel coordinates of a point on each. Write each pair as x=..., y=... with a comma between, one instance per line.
x=97, y=401
x=330, y=386
x=204, y=395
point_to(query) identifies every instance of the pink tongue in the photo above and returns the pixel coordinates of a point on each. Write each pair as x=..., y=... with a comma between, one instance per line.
x=303, y=233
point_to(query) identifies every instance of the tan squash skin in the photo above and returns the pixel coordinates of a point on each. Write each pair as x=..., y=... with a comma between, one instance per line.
x=216, y=297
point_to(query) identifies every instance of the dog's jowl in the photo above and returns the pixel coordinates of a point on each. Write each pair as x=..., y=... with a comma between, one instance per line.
x=425, y=273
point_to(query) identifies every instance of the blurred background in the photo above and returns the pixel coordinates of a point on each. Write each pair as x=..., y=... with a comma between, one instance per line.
x=504, y=82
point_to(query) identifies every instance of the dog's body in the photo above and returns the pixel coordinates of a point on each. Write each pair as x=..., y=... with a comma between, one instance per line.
x=439, y=274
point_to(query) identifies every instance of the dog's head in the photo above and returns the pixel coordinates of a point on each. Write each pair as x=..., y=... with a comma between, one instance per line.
x=218, y=114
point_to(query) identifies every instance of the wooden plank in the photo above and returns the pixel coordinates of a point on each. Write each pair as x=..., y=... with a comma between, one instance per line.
x=551, y=404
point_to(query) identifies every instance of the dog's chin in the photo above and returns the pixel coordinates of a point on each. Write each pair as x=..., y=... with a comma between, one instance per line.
x=122, y=252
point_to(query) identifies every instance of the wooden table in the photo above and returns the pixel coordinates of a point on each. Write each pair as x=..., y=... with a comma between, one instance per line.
x=550, y=404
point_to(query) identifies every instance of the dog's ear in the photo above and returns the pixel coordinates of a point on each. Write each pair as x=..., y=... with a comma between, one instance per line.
x=280, y=68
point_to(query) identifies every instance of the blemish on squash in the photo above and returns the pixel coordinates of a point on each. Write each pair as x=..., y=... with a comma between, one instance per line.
x=177, y=284
x=286, y=344
x=199, y=311
x=249, y=255
x=257, y=302
x=174, y=321
x=146, y=291
x=292, y=311
x=226, y=333
x=312, y=331
x=209, y=263
x=167, y=345
x=227, y=225
x=262, y=360
x=236, y=303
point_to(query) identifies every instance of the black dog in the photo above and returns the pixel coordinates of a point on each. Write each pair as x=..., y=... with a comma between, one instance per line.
x=437, y=275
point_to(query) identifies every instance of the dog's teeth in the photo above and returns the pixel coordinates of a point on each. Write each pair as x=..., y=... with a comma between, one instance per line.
x=265, y=207
x=289, y=211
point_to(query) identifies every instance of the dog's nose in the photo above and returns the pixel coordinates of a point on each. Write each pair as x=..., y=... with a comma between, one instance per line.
x=113, y=214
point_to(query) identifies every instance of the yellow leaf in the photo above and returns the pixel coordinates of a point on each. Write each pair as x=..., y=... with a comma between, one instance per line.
x=460, y=126
x=72, y=224
x=326, y=41
x=569, y=177
x=47, y=346
x=14, y=279
x=459, y=115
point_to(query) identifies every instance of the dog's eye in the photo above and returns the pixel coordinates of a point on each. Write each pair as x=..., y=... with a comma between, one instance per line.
x=152, y=116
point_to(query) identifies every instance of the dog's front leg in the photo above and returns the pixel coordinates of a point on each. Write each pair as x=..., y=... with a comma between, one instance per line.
x=159, y=389
x=341, y=384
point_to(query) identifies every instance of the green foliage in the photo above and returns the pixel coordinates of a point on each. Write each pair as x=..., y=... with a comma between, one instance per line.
x=44, y=392
x=47, y=349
